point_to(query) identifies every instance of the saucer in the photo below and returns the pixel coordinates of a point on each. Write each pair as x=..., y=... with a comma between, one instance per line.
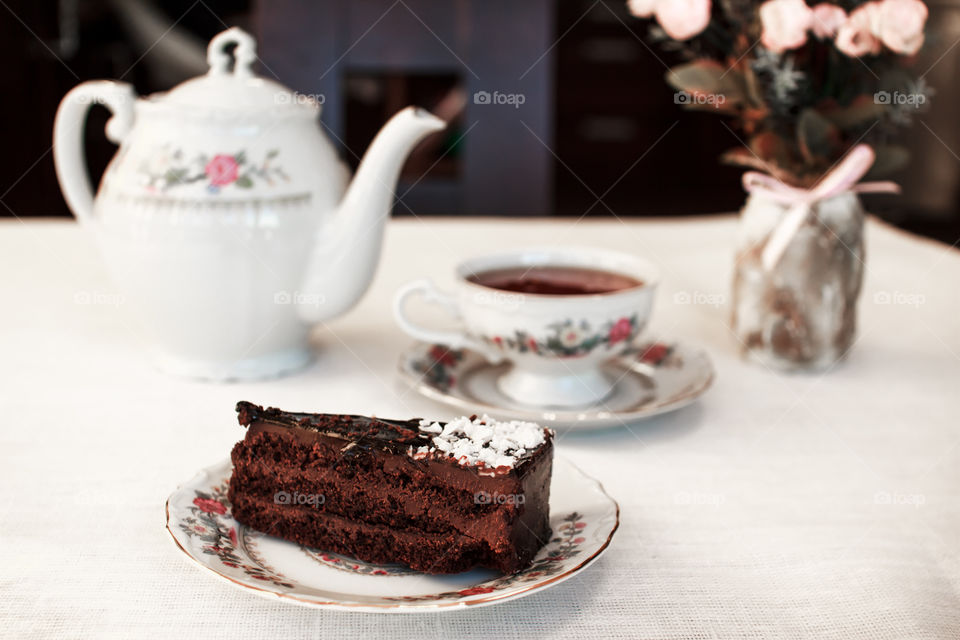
x=652, y=378
x=583, y=518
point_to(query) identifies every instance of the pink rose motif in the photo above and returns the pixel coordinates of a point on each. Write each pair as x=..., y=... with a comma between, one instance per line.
x=827, y=20
x=856, y=36
x=474, y=591
x=570, y=337
x=785, y=24
x=233, y=536
x=681, y=19
x=901, y=25
x=620, y=330
x=442, y=355
x=209, y=506
x=222, y=170
x=654, y=354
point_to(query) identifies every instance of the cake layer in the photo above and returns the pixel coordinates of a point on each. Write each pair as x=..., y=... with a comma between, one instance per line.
x=427, y=552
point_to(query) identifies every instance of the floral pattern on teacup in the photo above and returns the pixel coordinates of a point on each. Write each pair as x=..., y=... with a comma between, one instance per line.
x=168, y=169
x=569, y=338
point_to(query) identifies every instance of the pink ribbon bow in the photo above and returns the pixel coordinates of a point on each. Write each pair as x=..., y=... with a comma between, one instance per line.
x=845, y=176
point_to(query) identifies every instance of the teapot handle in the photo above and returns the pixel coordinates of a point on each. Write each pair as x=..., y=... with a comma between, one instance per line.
x=68, y=157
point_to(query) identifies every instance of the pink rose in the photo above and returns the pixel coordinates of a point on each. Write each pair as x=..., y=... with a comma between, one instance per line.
x=620, y=330
x=642, y=8
x=222, y=170
x=785, y=24
x=856, y=36
x=209, y=506
x=901, y=25
x=681, y=19
x=442, y=355
x=827, y=20
x=654, y=353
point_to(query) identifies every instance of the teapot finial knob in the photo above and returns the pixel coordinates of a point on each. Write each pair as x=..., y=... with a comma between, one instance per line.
x=244, y=54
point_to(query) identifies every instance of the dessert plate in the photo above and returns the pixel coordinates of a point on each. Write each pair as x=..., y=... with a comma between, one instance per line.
x=652, y=378
x=583, y=517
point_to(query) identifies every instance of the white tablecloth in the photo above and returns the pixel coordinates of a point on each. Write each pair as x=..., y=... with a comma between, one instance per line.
x=778, y=506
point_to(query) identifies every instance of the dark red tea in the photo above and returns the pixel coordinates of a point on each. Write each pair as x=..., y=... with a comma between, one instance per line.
x=554, y=280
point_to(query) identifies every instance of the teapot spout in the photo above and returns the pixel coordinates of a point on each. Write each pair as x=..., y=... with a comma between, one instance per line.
x=372, y=190
x=346, y=257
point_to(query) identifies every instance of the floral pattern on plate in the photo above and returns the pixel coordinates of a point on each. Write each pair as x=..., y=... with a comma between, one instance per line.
x=658, y=354
x=210, y=522
x=584, y=519
x=653, y=377
x=439, y=367
x=352, y=565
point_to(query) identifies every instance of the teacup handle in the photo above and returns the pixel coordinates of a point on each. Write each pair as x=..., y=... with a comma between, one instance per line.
x=452, y=339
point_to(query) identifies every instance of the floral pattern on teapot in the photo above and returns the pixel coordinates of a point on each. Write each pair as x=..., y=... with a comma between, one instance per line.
x=168, y=169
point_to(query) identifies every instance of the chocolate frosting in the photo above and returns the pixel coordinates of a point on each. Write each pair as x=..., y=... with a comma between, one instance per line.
x=362, y=433
x=391, y=435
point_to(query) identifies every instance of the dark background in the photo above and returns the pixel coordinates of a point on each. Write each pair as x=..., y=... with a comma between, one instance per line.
x=598, y=134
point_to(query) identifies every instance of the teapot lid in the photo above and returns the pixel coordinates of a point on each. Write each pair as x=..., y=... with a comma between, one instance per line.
x=236, y=90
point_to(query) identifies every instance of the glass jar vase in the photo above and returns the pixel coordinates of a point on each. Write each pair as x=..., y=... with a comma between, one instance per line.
x=800, y=311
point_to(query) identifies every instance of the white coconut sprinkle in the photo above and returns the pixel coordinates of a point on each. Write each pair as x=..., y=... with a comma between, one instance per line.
x=483, y=440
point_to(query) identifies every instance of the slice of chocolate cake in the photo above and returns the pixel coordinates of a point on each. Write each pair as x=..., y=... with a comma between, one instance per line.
x=439, y=498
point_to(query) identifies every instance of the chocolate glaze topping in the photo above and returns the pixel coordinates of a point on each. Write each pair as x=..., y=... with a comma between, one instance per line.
x=362, y=433
x=390, y=435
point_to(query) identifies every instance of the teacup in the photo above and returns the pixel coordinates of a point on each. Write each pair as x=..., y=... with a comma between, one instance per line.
x=555, y=342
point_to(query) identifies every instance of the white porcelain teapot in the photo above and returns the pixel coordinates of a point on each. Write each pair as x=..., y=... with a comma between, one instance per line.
x=225, y=217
